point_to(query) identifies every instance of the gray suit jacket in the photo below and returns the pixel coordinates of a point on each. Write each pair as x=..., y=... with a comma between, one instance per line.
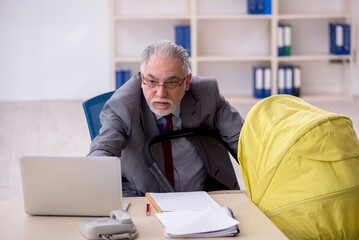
x=127, y=122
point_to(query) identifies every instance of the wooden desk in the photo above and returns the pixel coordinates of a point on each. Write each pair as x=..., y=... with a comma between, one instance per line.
x=15, y=224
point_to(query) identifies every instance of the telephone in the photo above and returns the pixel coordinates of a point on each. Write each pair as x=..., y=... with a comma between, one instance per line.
x=118, y=226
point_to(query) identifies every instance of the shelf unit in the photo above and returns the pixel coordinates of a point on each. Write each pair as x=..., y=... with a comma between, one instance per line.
x=226, y=42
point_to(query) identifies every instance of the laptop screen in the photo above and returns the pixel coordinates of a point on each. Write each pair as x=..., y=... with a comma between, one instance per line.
x=71, y=186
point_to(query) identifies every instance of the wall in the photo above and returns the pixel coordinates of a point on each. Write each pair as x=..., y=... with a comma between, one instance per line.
x=60, y=49
x=53, y=49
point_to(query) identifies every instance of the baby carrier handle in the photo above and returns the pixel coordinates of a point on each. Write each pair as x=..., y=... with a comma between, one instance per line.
x=151, y=162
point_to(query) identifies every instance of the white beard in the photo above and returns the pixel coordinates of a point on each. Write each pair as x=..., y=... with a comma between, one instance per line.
x=162, y=112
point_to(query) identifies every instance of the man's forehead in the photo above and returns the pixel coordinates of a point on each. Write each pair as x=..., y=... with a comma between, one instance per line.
x=163, y=67
x=169, y=77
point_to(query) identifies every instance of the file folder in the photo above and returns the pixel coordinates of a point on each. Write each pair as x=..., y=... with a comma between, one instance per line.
x=346, y=38
x=252, y=6
x=339, y=38
x=122, y=76
x=280, y=42
x=260, y=7
x=267, y=7
x=258, y=82
x=297, y=80
x=267, y=82
x=281, y=80
x=287, y=39
x=289, y=81
x=183, y=37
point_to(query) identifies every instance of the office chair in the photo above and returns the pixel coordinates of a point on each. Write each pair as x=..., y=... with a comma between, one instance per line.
x=151, y=162
x=93, y=108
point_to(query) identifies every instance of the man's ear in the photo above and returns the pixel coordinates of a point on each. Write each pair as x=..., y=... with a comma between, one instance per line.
x=188, y=80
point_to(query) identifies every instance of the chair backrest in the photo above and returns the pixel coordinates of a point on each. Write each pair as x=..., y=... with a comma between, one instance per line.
x=93, y=108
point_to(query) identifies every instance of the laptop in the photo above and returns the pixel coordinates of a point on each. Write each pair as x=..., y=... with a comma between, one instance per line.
x=71, y=186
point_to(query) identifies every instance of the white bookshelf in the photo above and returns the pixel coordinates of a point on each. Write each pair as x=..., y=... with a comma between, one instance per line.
x=226, y=42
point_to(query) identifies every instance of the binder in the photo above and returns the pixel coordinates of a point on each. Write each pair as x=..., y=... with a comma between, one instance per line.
x=267, y=7
x=252, y=6
x=339, y=39
x=258, y=81
x=289, y=81
x=187, y=39
x=332, y=38
x=280, y=42
x=260, y=6
x=297, y=80
x=267, y=82
x=183, y=37
x=122, y=76
x=281, y=80
x=178, y=35
x=336, y=38
x=346, y=38
x=287, y=39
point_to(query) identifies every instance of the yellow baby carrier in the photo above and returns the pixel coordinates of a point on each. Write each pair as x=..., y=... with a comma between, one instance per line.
x=300, y=166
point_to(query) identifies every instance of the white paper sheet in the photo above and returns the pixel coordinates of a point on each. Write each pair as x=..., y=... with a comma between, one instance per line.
x=193, y=222
x=184, y=201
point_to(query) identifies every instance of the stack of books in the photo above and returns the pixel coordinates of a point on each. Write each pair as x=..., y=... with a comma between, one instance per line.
x=339, y=38
x=289, y=80
x=284, y=40
x=262, y=82
x=183, y=37
x=259, y=6
x=122, y=76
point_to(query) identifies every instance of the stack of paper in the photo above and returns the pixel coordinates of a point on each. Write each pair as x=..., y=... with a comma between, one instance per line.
x=193, y=214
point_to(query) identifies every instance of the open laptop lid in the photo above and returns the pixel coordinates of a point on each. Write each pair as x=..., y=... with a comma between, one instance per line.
x=71, y=186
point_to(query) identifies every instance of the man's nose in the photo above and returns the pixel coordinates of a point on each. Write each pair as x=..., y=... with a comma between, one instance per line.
x=161, y=91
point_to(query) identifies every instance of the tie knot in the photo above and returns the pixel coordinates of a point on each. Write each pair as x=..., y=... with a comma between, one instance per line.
x=168, y=117
x=169, y=124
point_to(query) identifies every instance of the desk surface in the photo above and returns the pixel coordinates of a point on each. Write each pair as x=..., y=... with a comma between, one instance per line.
x=15, y=224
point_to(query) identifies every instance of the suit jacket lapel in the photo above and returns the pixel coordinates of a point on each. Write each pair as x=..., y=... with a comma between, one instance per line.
x=190, y=110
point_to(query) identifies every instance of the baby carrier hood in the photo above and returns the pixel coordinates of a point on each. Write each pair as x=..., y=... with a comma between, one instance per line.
x=300, y=165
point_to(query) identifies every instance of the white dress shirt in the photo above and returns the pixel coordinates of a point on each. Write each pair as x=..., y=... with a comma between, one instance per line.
x=189, y=172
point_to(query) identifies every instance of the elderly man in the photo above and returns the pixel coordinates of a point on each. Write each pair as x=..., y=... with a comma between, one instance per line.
x=165, y=94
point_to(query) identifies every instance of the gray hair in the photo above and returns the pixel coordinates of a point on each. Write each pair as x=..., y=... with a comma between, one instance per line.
x=169, y=48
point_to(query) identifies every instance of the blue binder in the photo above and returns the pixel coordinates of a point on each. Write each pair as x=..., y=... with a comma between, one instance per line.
x=258, y=82
x=280, y=42
x=346, y=38
x=297, y=80
x=122, y=76
x=287, y=39
x=260, y=6
x=188, y=39
x=336, y=38
x=179, y=35
x=289, y=89
x=267, y=81
x=252, y=6
x=183, y=37
x=267, y=7
x=281, y=80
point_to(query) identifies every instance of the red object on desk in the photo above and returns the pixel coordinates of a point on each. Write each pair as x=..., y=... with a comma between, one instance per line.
x=148, y=209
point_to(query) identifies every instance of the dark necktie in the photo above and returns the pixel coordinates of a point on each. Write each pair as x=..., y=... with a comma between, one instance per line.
x=167, y=151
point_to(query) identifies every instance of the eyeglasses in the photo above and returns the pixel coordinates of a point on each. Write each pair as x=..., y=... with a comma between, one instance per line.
x=168, y=85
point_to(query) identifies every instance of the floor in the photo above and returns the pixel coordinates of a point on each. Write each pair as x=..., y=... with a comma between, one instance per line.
x=59, y=128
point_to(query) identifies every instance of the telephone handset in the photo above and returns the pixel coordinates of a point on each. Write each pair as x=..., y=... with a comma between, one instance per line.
x=118, y=226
